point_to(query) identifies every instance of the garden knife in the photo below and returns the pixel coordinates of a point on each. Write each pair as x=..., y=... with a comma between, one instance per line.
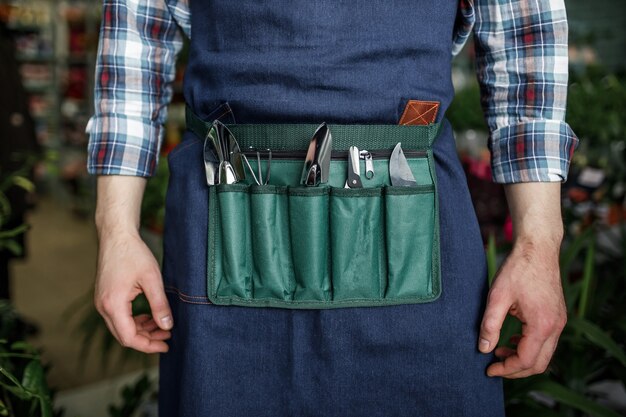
x=399, y=170
x=317, y=163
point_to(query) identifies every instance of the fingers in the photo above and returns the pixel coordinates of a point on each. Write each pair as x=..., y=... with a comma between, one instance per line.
x=497, y=308
x=159, y=306
x=145, y=322
x=140, y=333
x=147, y=327
x=531, y=357
x=541, y=364
x=129, y=334
x=504, y=352
x=523, y=359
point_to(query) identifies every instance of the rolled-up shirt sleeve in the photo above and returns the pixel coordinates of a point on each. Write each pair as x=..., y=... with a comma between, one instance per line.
x=135, y=68
x=522, y=69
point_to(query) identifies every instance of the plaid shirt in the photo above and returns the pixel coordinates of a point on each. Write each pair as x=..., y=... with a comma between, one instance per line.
x=522, y=68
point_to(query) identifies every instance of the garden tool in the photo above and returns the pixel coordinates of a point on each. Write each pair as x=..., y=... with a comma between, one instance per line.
x=354, y=170
x=222, y=156
x=399, y=170
x=317, y=163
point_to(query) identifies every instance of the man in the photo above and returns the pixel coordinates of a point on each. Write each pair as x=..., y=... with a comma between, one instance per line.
x=346, y=63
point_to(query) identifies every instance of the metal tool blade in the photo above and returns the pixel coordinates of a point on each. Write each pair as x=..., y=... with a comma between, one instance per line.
x=211, y=156
x=221, y=144
x=399, y=170
x=317, y=162
x=235, y=155
x=227, y=174
x=354, y=169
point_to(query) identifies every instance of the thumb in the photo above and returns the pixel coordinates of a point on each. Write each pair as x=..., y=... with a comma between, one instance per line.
x=159, y=306
x=495, y=313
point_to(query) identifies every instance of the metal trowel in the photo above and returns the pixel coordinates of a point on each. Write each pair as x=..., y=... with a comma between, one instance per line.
x=223, y=161
x=317, y=163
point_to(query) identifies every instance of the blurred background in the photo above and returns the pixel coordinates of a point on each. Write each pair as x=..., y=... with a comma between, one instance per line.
x=56, y=357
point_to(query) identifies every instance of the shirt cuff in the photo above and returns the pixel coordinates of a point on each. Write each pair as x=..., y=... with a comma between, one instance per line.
x=532, y=151
x=123, y=145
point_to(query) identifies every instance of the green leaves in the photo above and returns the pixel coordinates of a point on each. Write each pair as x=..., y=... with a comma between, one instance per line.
x=524, y=404
x=7, y=237
x=132, y=397
x=492, y=258
x=7, y=242
x=33, y=379
x=23, y=388
x=12, y=246
x=602, y=122
x=572, y=398
x=587, y=280
x=23, y=183
x=13, y=383
x=598, y=337
x=152, y=205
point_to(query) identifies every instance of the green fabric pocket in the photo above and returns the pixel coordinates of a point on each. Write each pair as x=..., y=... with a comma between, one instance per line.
x=357, y=243
x=273, y=268
x=309, y=231
x=233, y=250
x=411, y=240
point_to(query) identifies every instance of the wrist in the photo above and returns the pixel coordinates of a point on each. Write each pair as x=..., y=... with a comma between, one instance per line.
x=118, y=205
x=542, y=236
x=114, y=228
x=546, y=245
x=112, y=219
x=536, y=214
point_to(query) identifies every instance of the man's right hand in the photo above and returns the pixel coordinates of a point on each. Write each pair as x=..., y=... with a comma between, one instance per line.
x=126, y=268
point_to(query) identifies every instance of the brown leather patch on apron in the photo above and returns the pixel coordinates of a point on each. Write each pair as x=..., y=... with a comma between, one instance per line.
x=419, y=113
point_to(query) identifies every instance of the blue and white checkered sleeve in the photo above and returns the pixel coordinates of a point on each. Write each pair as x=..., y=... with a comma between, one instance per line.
x=135, y=68
x=522, y=66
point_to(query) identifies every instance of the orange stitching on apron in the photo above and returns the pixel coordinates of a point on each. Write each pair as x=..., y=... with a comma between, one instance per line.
x=188, y=298
x=183, y=147
x=419, y=112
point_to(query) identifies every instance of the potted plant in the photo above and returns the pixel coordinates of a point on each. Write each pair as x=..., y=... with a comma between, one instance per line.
x=23, y=387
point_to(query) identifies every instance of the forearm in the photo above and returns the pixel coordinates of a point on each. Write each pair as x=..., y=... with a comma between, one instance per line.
x=118, y=205
x=536, y=214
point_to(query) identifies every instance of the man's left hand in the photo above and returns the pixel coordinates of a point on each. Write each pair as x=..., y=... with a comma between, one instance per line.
x=528, y=286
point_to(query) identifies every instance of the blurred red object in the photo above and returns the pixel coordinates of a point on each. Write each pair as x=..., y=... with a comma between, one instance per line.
x=578, y=195
x=507, y=229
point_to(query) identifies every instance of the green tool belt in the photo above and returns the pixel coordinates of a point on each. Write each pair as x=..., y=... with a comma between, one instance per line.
x=290, y=246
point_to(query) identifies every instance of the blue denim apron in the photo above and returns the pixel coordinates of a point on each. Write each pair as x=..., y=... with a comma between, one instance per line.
x=309, y=61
